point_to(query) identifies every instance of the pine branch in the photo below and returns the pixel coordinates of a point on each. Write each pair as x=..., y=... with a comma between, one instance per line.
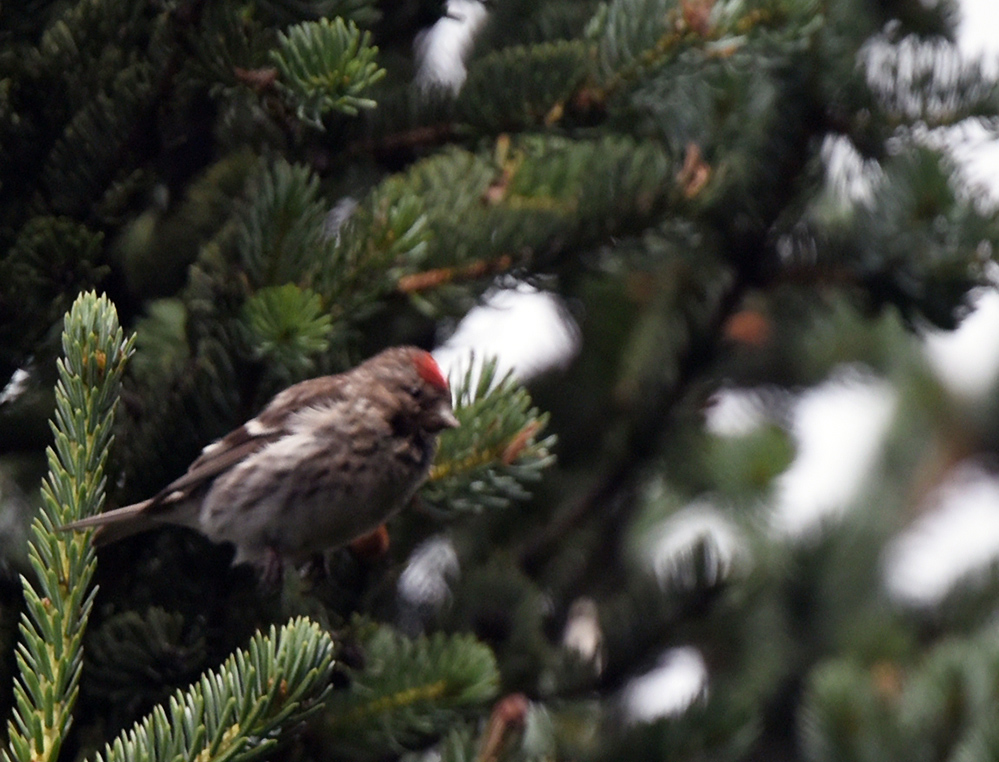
x=95, y=144
x=280, y=227
x=361, y=11
x=286, y=325
x=487, y=460
x=59, y=599
x=138, y=659
x=535, y=196
x=237, y=712
x=929, y=81
x=894, y=249
x=428, y=279
x=51, y=259
x=228, y=49
x=384, y=236
x=500, y=740
x=325, y=66
x=632, y=33
x=74, y=46
x=538, y=82
x=410, y=689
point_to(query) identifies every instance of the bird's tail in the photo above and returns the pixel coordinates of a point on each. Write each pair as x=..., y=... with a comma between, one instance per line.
x=117, y=524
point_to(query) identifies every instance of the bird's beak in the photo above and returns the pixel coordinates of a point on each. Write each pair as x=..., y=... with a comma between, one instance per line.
x=446, y=416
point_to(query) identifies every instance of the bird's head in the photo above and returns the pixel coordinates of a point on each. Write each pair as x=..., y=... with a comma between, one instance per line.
x=416, y=380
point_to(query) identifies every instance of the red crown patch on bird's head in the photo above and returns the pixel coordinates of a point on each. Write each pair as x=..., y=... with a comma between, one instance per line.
x=430, y=371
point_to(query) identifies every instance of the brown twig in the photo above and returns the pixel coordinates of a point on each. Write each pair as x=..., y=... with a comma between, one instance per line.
x=417, y=137
x=428, y=279
x=508, y=716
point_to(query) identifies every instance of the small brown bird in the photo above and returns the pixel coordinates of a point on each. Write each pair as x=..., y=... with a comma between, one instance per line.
x=328, y=460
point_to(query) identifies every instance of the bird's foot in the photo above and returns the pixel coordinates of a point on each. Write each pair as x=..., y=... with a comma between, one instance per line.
x=271, y=569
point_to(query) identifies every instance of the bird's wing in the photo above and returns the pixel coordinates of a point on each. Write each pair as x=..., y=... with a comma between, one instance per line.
x=214, y=459
x=269, y=426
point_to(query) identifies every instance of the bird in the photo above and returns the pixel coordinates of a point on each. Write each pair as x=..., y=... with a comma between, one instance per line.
x=328, y=460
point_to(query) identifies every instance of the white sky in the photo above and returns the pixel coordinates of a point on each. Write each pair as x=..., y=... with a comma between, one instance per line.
x=441, y=50
x=525, y=328
x=838, y=428
x=957, y=537
x=967, y=360
x=978, y=37
x=979, y=23
x=679, y=679
x=672, y=542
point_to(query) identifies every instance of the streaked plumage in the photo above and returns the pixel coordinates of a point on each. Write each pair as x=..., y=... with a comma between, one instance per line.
x=328, y=460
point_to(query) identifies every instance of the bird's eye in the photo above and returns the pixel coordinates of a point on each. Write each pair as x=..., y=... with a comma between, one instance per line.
x=414, y=391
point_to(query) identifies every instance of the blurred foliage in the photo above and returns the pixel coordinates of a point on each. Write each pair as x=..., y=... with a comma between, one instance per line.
x=325, y=66
x=733, y=199
x=406, y=691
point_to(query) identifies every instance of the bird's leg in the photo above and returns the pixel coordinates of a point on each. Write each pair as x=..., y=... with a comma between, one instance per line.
x=272, y=568
x=316, y=569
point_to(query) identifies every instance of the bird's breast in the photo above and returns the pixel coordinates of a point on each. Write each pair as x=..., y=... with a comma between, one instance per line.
x=306, y=493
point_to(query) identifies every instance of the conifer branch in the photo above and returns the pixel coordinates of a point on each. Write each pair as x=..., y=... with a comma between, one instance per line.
x=286, y=325
x=58, y=599
x=496, y=450
x=235, y=713
x=325, y=66
x=428, y=279
x=410, y=688
x=415, y=137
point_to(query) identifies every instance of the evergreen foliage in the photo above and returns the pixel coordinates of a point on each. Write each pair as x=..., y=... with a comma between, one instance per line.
x=495, y=452
x=235, y=713
x=325, y=66
x=407, y=690
x=58, y=599
x=266, y=192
